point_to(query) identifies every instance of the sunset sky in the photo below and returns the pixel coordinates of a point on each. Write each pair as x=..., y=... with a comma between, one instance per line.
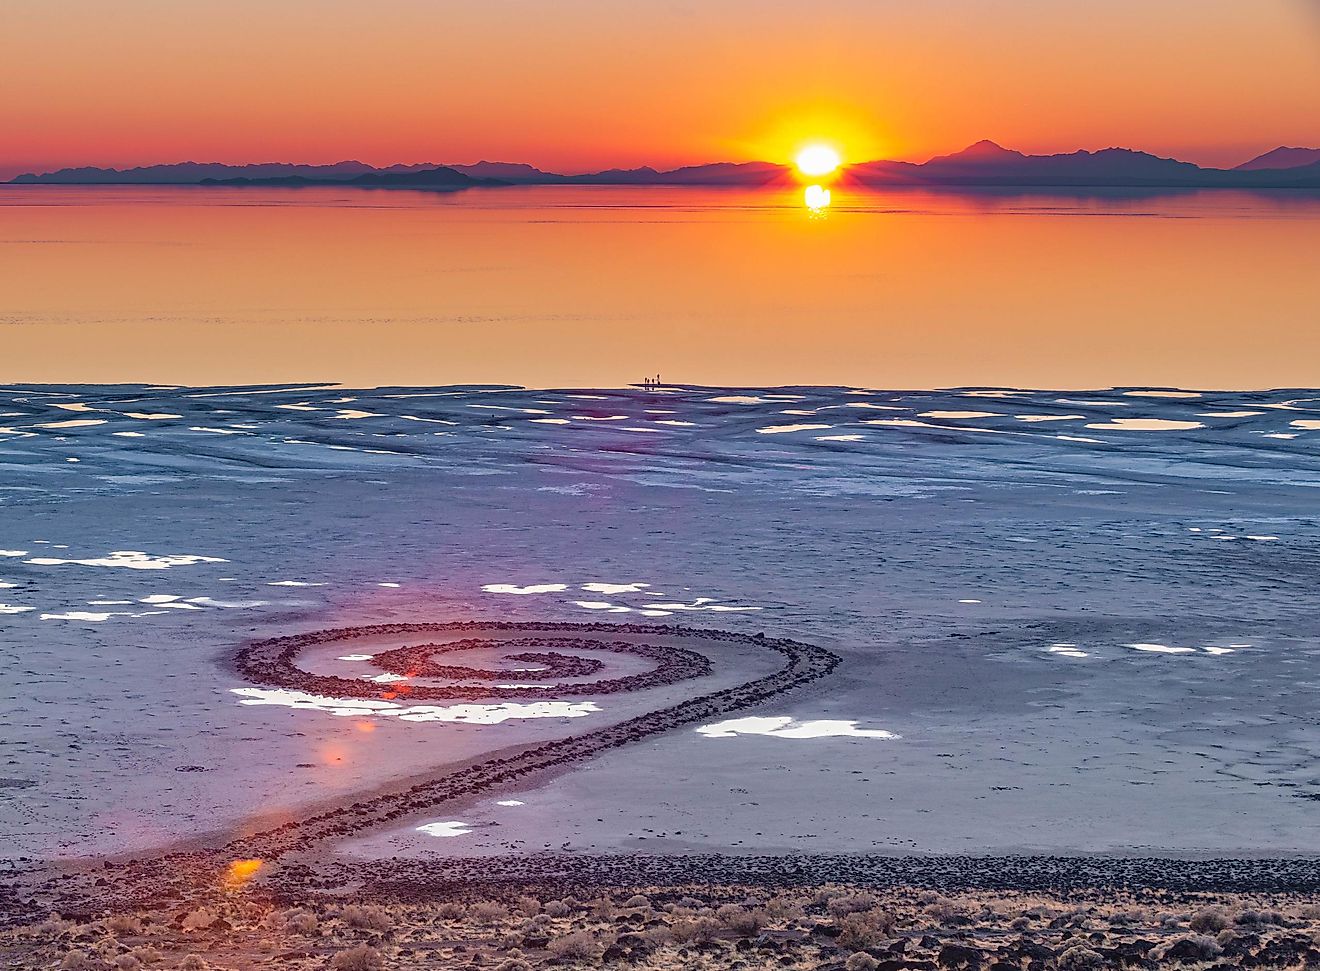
x=584, y=84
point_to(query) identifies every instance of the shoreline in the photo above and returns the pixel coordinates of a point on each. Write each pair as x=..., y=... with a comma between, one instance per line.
x=833, y=925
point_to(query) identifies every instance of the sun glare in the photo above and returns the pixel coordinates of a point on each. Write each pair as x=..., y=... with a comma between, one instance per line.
x=817, y=160
x=816, y=198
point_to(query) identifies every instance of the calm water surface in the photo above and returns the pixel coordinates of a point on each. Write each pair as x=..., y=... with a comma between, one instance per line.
x=578, y=286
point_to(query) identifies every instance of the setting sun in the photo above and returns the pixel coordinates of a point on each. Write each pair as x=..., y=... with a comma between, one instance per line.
x=817, y=160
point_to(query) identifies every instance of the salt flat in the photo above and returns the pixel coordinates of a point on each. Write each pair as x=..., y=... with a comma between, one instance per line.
x=1067, y=621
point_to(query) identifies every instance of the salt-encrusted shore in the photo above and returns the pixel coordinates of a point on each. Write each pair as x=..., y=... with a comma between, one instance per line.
x=462, y=919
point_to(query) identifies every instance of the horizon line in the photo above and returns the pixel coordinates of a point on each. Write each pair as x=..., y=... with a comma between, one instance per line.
x=788, y=165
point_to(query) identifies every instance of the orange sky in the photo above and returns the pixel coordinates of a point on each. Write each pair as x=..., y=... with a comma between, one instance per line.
x=581, y=84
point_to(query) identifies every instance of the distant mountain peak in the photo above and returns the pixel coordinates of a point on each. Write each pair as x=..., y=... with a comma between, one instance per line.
x=980, y=153
x=1283, y=157
x=985, y=147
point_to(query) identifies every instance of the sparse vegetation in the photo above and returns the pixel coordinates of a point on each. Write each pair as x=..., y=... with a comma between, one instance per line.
x=1080, y=958
x=850, y=903
x=693, y=931
x=858, y=931
x=1210, y=920
x=1257, y=918
x=366, y=918
x=1190, y=949
x=487, y=912
x=783, y=909
x=657, y=929
x=577, y=946
x=299, y=921
x=124, y=924
x=199, y=918
x=360, y=958
x=743, y=921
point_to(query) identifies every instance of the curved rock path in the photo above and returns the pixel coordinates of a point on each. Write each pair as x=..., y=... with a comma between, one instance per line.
x=186, y=874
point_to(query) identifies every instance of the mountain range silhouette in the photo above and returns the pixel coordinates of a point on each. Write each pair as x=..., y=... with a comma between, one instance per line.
x=983, y=164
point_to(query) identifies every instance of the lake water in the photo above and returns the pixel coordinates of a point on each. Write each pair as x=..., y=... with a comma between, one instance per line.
x=586, y=286
x=1068, y=621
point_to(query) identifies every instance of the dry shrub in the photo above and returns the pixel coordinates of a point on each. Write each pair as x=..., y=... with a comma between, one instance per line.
x=860, y=931
x=604, y=908
x=1197, y=947
x=944, y=910
x=637, y=902
x=75, y=961
x=147, y=954
x=513, y=964
x=557, y=908
x=783, y=909
x=487, y=912
x=366, y=918
x=853, y=903
x=861, y=961
x=450, y=910
x=1079, y=919
x=741, y=920
x=126, y=962
x=124, y=924
x=659, y=935
x=527, y=906
x=360, y=958
x=1080, y=958
x=1210, y=920
x=192, y=963
x=1258, y=918
x=299, y=922
x=1310, y=912
x=199, y=919
x=697, y=930
x=577, y=946
x=822, y=895
x=54, y=926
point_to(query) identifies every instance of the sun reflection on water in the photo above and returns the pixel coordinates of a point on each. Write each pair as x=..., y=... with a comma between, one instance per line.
x=817, y=199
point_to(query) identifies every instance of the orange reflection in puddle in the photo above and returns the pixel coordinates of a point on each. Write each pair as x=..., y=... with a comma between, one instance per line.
x=239, y=873
x=333, y=755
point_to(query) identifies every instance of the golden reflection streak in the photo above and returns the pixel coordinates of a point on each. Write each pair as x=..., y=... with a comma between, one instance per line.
x=239, y=872
x=817, y=199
